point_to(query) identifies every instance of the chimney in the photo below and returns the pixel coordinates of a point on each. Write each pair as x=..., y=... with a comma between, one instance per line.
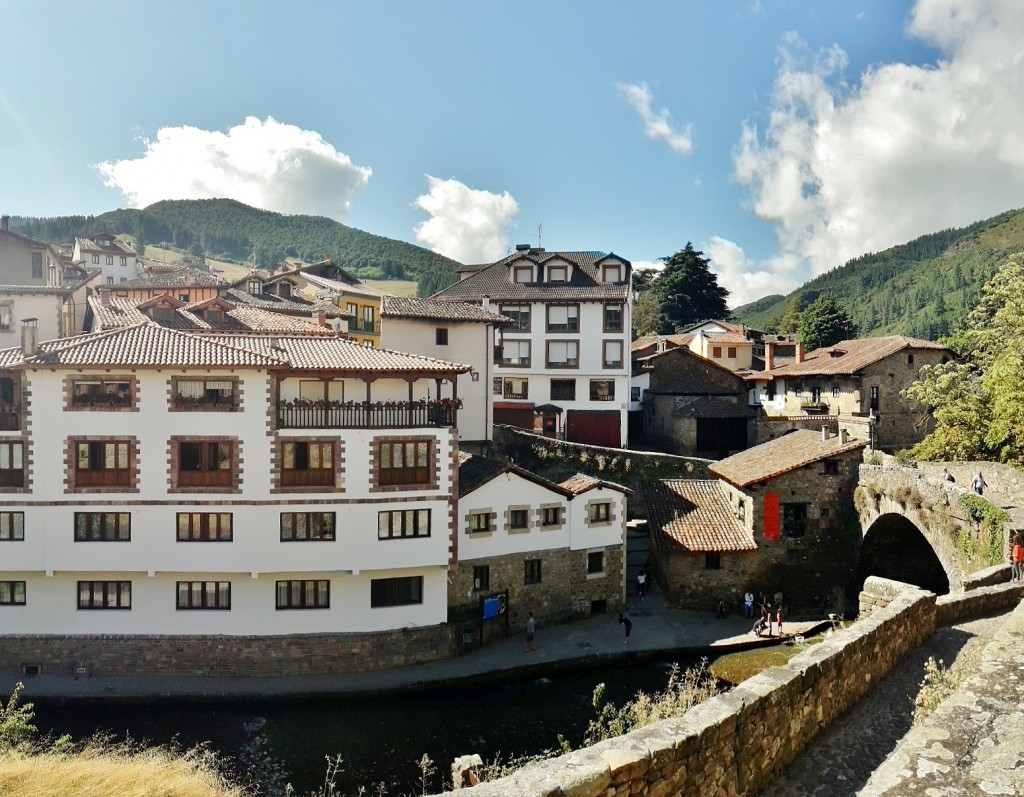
x=105, y=297
x=844, y=436
x=29, y=336
x=320, y=318
x=769, y=355
x=824, y=434
x=486, y=303
x=799, y=353
x=6, y=222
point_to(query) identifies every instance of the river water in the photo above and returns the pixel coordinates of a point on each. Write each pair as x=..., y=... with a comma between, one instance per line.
x=379, y=738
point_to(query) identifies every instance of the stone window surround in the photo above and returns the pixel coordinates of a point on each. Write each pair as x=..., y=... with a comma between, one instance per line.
x=133, y=392
x=434, y=464
x=492, y=521
x=604, y=564
x=174, y=456
x=552, y=526
x=234, y=406
x=508, y=519
x=612, y=513
x=278, y=465
x=71, y=463
x=26, y=464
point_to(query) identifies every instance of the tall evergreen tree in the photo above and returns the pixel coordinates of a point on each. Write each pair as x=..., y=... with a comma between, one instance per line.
x=688, y=292
x=790, y=322
x=825, y=322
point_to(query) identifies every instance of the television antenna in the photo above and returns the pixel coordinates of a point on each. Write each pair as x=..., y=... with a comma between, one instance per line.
x=539, y=228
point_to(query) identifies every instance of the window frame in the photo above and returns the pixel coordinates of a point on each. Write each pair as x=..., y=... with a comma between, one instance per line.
x=604, y=353
x=488, y=526
x=508, y=390
x=97, y=394
x=712, y=560
x=191, y=605
x=403, y=516
x=520, y=271
x=215, y=471
x=203, y=398
x=481, y=578
x=12, y=524
x=99, y=595
x=572, y=318
x=570, y=362
x=593, y=556
x=37, y=265
x=608, y=270
x=293, y=477
x=417, y=475
x=319, y=586
x=96, y=527
x=545, y=514
x=519, y=361
x=533, y=571
x=441, y=336
x=607, y=314
x=11, y=452
x=790, y=517
x=517, y=313
x=595, y=390
x=571, y=380
x=96, y=454
x=324, y=529
x=559, y=268
x=387, y=593
x=522, y=513
x=9, y=591
x=599, y=512
x=201, y=531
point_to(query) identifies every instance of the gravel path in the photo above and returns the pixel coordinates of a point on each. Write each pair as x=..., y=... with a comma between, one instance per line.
x=842, y=758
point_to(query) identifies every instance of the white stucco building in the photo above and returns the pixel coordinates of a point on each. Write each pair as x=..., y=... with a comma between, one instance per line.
x=115, y=260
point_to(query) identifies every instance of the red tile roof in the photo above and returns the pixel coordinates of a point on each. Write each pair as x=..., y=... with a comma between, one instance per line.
x=694, y=515
x=849, y=356
x=789, y=452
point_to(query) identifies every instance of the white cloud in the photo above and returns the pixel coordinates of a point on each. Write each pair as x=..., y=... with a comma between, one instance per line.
x=658, y=126
x=266, y=164
x=747, y=280
x=905, y=150
x=465, y=224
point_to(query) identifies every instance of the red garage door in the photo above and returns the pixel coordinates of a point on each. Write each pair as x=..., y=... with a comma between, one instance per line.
x=596, y=427
x=520, y=418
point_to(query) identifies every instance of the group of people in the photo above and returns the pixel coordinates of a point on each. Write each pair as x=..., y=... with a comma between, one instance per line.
x=769, y=615
x=978, y=483
x=531, y=630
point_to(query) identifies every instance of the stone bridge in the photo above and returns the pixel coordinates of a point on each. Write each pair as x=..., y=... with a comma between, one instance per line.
x=890, y=499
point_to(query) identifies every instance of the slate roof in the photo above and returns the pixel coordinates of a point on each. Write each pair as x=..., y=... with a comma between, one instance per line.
x=181, y=278
x=849, y=356
x=278, y=304
x=694, y=515
x=394, y=307
x=476, y=471
x=496, y=282
x=782, y=455
x=106, y=246
x=340, y=286
x=712, y=407
x=120, y=311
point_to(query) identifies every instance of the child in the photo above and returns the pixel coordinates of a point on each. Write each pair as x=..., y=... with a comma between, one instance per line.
x=778, y=618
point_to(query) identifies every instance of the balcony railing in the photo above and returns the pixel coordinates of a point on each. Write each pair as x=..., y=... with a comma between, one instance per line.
x=514, y=393
x=366, y=415
x=10, y=417
x=362, y=325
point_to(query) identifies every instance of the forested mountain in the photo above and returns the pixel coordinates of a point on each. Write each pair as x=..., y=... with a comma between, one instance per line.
x=228, y=230
x=923, y=288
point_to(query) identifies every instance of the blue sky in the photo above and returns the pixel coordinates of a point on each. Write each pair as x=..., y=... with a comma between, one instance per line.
x=788, y=136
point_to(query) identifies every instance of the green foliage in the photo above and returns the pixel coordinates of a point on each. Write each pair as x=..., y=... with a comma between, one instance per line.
x=646, y=315
x=825, y=322
x=688, y=292
x=904, y=458
x=991, y=520
x=790, y=322
x=16, y=729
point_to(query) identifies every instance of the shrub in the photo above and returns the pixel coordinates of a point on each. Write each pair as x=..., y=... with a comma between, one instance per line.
x=905, y=458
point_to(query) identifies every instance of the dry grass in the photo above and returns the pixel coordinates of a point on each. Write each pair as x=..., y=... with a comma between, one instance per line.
x=102, y=770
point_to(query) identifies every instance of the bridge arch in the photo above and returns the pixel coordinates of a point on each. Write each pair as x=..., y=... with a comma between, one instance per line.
x=895, y=548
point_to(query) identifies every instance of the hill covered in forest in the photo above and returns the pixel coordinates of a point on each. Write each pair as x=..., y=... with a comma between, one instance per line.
x=923, y=288
x=228, y=230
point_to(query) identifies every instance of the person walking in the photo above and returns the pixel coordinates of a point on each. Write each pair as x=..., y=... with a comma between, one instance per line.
x=531, y=630
x=978, y=484
x=748, y=604
x=1017, y=559
x=628, y=625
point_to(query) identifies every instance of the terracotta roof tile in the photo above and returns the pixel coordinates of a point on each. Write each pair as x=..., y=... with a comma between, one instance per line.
x=694, y=515
x=296, y=305
x=339, y=286
x=784, y=454
x=582, y=482
x=394, y=307
x=849, y=356
x=182, y=278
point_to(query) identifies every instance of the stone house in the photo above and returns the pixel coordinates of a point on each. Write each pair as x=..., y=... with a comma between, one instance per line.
x=861, y=378
x=694, y=406
x=554, y=549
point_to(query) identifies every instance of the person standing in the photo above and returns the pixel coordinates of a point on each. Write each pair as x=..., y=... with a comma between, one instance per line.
x=978, y=484
x=778, y=617
x=641, y=583
x=627, y=624
x=1017, y=559
x=748, y=604
x=531, y=630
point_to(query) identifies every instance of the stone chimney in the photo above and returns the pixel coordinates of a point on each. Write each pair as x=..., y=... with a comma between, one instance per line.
x=844, y=436
x=29, y=336
x=105, y=297
x=799, y=352
x=824, y=434
x=320, y=318
x=769, y=355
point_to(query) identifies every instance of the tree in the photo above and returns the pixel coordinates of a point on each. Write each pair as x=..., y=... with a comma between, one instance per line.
x=790, y=322
x=646, y=315
x=825, y=322
x=688, y=292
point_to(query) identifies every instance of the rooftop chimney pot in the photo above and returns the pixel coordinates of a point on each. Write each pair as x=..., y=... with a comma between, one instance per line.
x=29, y=336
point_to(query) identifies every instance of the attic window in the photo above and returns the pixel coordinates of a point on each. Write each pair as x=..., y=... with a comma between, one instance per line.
x=162, y=314
x=612, y=274
x=558, y=274
x=255, y=287
x=284, y=290
x=522, y=274
x=215, y=316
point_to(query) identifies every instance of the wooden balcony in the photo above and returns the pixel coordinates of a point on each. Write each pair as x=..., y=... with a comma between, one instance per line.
x=366, y=415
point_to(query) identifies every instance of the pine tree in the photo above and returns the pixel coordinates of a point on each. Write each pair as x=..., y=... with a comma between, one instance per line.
x=825, y=322
x=688, y=292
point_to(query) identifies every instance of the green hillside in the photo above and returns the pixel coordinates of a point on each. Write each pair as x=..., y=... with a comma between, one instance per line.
x=922, y=288
x=227, y=230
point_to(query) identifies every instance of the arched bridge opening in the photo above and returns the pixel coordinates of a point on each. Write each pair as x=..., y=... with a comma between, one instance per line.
x=893, y=547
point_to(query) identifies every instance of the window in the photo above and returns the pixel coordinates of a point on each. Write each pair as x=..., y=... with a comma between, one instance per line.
x=101, y=393
x=516, y=389
x=37, y=265
x=6, y=317
x=794, y=520
x=602, y=390
x=441, y=336
x=481, y=578
x=518, y=519
x=595, y=563
x=404, y=462
x=731, y=352
x=515, y=353
x=480, y=522
x=159, y=313
x=103, y=527
x=910, y=359
x=205, y=464
x=563, y=354
x=12, y=593
x=712, y=560
x=613, y=318
x=611, y=274
x=531, y=571
x=204, y=595
x=205, y=527
x=522, y=274
x=95, y=258
x=255, y=287
x=874, y=399
x=192, y=394
x=396, y=524
x=110, y=260
x=831, y=467
x=815, y=395
x=563, y=318
x=368, y=313
x=600, y=512
x=310, y=594
x=771, y=391
x=613, y=354
x=550, y=516
x=307, y=464
x=835, y=391
x=12, y=526
x=307, y=526
x=634, y=394
x=110, y=280
x=563, y=389
x=520, y=314
x=403, y=591
x=124, y=261
x=558, y=273
x=214, y=316
x=102, y=464
x=104, y=594
x=284, y=290
x=183, y=297
x=322, y=390
x=12, y=459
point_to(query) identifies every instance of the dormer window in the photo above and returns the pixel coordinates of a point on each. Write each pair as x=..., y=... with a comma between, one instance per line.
x=255, y=287
x=611, y=273
x=522, y=274
x=558, y=273
x=284, y=290
x=214, y=316
x=162, y=313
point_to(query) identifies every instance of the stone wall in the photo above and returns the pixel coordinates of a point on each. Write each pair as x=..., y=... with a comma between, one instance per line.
x=770, y=427
x=230, y=656
x=953, y=609
x=738, y=742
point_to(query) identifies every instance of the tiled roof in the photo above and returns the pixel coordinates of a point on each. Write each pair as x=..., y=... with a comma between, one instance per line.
x=296, y=305
x=849, y=356
x=339, y=286
x=582, y=482
x=694, y=515
x=671, y=341
x=726, y=337
x=713, y=407
x=729, y=326
x=496, y=282
x=182, y=278
x=784, y=454
x=89, y=245
x=475, y=472
x=123, y=312
x=394, y=307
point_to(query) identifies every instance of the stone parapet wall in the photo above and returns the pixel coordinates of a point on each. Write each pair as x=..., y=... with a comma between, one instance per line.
x=736, y=743
x=229, y=656
x=953, y=609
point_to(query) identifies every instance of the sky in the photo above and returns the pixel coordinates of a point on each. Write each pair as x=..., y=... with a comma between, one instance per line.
x=780, y=137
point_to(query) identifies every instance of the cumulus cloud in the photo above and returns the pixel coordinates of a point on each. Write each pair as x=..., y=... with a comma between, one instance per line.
x=747, y=280
x=466, y=224
x=847, y=168
x=266, y=164
x=658, y=126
